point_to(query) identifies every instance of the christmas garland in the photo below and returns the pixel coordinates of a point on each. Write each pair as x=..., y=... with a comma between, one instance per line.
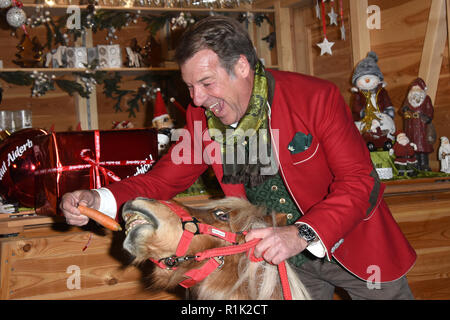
x=41, y=83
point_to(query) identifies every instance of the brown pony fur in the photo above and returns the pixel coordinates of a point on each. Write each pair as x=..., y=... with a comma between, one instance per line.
x=153, y=231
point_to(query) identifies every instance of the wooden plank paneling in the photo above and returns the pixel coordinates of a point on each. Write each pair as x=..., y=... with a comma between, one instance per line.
x=359, y=31
x=308, y=32
x=303, y=54
x=285, y=38
x=424, y=218
x=448, y=29
x=434, y=45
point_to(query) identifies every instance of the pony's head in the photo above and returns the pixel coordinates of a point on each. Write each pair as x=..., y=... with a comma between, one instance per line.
x=154, y=230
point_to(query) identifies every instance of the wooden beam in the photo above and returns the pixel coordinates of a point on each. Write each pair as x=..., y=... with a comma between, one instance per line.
x=263, y=4
x=87, y=108
x=448, y=27
x=262, y=46
x=297, y=3
x=359, y=31
x=433, y=47
x=303, y=56
x=285, y=38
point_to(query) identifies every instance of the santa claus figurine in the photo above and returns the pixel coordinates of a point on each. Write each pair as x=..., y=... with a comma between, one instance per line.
x=370, y=98
x=444, y=155
x=417, y=113
x=405, y=155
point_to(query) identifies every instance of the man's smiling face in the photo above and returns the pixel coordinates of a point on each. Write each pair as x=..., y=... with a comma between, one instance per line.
x=211, y=87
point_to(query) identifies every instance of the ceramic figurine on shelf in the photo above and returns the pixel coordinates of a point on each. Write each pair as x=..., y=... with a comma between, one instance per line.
x=417, y=113
x=444, y=155
x=56, y=58
x=162, y=122
x=161, y=119
x=405, y=155
x=163, y=140
x=381, y=133
x=370, y=98
x=152, y=53
x=134, y=57
x=125, y=124
x=30, y=53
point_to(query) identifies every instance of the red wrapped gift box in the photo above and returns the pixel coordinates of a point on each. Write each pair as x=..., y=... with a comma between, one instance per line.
x=69, y=161
x=17, y=165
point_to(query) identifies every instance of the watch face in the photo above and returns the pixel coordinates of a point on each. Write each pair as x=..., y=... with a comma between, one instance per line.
x=306, y=233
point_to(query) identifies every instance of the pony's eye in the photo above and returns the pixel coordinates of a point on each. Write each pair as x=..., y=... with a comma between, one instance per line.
x=221, y=214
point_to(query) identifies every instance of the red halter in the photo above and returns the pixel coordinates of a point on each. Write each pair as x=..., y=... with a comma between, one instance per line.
x=215, y=255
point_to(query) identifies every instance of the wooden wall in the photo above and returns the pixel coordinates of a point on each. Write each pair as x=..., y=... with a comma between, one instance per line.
x=45, y=108
x=398, y=43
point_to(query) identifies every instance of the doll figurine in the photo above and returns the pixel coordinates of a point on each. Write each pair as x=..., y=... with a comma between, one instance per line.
x=163, y=123
x=405, y=155
x=444, y=155
x=161, y=118
x=370, y=98
x=417, y=113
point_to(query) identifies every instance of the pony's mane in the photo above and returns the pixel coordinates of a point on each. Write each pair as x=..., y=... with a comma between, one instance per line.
x=260, y=279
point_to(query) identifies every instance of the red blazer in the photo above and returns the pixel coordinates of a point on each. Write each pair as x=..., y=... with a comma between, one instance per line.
x=332, y=182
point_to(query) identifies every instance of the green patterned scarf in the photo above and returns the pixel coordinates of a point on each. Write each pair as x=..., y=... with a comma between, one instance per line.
x=242, y=163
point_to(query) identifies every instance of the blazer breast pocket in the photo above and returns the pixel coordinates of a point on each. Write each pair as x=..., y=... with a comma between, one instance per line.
x=306, y=155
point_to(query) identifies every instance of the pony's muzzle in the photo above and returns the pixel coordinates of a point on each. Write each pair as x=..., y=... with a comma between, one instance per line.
x=134, y=213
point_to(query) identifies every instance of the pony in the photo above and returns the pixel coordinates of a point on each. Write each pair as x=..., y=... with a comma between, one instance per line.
x=154, y=231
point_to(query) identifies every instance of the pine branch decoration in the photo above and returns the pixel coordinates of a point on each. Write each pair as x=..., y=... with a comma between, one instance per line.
x=155, y=23
x=72, y=87
x=18, y=78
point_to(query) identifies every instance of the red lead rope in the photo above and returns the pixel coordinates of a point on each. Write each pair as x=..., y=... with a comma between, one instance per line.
x=247, y=247
x=215, y=255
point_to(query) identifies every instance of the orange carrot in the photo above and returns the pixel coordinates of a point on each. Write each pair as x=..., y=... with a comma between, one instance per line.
x=101, y=218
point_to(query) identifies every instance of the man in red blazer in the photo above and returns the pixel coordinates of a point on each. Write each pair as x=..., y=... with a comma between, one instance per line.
x=313, y=146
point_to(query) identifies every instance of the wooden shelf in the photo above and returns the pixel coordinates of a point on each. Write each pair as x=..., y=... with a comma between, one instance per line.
x=15, y=223
x=86, y=109
x=68, y=70
x=420, y=185
x=83, y=69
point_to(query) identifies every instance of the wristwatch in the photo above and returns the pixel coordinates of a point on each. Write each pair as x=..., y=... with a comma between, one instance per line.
x=305, y=232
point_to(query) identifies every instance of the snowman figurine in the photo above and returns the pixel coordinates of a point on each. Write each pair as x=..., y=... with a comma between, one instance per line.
x=370, y=99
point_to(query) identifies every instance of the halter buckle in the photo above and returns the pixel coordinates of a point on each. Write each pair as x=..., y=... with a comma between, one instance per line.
x=220, y=260
x=173, y=261
x=170, y=262
x=195, y=222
